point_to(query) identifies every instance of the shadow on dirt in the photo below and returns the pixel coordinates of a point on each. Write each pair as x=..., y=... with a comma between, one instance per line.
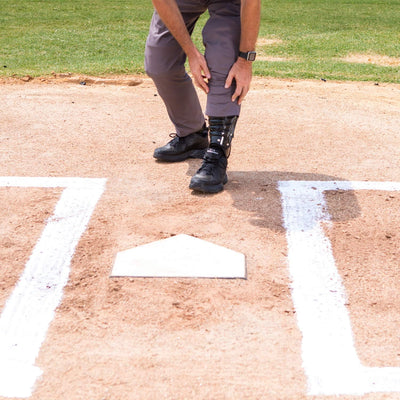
x=257, y=193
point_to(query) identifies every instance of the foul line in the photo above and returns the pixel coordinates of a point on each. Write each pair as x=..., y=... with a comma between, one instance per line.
x=30, y=308
x=329, y=356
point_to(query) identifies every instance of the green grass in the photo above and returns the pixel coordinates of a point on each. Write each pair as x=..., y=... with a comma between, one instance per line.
x=92, y=36
x=101, y=37
x=316, y=34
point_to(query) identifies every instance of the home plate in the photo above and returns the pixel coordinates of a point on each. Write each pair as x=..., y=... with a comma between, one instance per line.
x=180, y=256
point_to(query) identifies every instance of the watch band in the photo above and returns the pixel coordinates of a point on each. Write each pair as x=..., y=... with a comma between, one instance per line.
x=249, y=55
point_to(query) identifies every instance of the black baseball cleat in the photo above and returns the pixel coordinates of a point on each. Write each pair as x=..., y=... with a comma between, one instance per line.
x=181, y=148
x=211, y=177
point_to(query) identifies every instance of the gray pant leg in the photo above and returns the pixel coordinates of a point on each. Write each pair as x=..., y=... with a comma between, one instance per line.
x=221, y=36
x=164, y=63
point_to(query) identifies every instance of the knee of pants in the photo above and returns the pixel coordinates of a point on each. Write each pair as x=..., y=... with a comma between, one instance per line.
x=166, y=75
x=154, y=70
x=221, y=37
x=159, y=64
x=156, y=73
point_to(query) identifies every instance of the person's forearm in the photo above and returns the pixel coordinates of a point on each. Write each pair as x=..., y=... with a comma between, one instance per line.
x=250, y=24
x=172, y=18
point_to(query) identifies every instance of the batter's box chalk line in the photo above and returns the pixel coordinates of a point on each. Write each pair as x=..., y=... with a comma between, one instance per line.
x=30, y=309
x=329, y=356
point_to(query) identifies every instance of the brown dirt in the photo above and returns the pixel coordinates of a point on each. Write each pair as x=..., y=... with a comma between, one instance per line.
x=377, y=59
x=124, y=338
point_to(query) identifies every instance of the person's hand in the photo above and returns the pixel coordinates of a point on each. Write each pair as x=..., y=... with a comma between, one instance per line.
x=242, y=73
x=198, y=67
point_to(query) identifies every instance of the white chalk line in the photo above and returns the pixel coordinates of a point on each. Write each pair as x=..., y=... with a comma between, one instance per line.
x=30, y=309
x=329, y=356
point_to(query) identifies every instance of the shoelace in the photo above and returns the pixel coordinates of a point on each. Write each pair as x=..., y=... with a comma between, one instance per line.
x=175, y=138
x=209, y=161
x=173, y=135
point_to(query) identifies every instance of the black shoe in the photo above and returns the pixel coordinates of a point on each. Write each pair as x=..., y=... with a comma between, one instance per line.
x=181, y=148
x=211, y=177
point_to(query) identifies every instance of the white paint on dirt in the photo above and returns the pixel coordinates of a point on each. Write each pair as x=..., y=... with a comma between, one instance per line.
x=329, y=356
x=30, y=309
x=180, y=256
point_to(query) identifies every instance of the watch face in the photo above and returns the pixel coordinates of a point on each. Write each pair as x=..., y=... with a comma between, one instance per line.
x=251, y=55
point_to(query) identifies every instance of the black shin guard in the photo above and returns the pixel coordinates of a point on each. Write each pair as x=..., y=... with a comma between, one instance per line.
x=222, y=130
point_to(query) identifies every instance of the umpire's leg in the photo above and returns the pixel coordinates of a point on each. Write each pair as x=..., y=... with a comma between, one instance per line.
x=164, y=63
x=221, y=36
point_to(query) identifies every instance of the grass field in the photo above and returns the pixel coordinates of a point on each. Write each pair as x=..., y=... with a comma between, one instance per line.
x=299, y=39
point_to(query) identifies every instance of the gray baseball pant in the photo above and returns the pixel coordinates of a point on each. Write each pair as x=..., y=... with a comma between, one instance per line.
x=165, y=63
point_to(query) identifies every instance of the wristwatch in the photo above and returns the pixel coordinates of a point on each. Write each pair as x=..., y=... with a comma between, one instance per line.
x=249, y=55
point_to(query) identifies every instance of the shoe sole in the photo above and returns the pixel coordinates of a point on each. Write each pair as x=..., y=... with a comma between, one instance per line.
x=204, y=188
x=198, y=153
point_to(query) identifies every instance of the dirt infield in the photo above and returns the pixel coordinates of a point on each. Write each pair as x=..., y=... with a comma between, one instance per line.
x=136, y=338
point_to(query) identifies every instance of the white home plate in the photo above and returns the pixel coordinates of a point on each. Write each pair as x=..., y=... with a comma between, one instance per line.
x=180, y=256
